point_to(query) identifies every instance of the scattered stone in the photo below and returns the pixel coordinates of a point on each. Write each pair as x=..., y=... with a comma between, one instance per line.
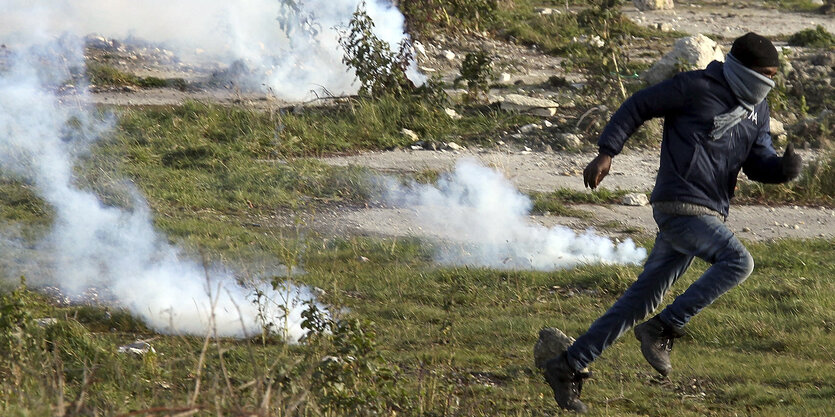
x=530, y=128
x=449, y=55
x=777, y=128
x=551, y=343
x=46, y=321
x=746, y=229
x=452, y=114
x=693, y=52
x=419, y=48
x=664, y=27
x=410, y=134
x=569, y=140
x=635, y=199
x=518, y=103
x=546, y=11
x=644, y=5
x=504, y=77
x=454, y=146
x=137, y=348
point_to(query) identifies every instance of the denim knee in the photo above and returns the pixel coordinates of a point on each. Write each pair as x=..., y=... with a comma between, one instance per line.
x=743, y=262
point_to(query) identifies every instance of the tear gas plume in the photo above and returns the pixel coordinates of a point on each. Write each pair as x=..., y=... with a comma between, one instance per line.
x=482, y=220
x=92, y=244
x=289, y=47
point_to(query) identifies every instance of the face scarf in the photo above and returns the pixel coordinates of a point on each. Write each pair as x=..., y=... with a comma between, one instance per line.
x=750, y=88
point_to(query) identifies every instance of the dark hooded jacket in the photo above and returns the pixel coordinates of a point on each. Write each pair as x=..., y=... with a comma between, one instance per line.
x=694, y=168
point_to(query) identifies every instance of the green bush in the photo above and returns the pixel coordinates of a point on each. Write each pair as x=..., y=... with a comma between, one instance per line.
x=817, y=37
x=477, y=71
x=379, y=70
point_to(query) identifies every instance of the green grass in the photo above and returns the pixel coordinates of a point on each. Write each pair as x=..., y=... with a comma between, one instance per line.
x=459, y=342
x=107, y=76
x=559, y=202
x=411, y=337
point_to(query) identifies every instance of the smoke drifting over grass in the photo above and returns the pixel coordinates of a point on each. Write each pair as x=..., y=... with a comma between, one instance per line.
x=483, y=222
x=289, y=47
x=92, y=244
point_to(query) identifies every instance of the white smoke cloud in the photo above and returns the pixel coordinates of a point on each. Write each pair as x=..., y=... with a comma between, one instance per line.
x=483, y=222
x=95, y=245
x=254, y=32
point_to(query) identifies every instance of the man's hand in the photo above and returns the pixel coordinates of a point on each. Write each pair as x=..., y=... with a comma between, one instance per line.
x=791, y=163
x=596, y=170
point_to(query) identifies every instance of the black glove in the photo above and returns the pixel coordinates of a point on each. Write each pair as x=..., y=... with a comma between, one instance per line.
x=791, y=163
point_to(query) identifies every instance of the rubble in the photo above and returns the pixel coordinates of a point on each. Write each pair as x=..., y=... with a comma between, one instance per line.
x=518, y=103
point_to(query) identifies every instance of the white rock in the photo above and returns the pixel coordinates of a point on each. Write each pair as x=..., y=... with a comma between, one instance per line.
x=454, y=146
x=452, y=114
x=570, y=140
x=664, y=27
x=546, y=11
x=635, y=199
x=653, y=4
x=410, y=134
x=694, y=52
x=530, y=128
x=449, y=55
x=777, y=128
x=518, y=103
x=137, y=348
x=419, y=48
x=504, y=77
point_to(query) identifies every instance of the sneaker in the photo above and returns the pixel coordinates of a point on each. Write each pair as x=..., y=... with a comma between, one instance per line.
x=656, y=339
x=566, y=383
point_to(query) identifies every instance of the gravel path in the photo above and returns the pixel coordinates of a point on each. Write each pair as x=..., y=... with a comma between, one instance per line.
x=533, y=171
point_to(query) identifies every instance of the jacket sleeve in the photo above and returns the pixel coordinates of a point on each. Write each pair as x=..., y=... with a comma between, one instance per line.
x=762, y=163
x=655, y=101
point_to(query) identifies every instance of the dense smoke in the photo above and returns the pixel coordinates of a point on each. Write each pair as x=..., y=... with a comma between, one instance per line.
x=92, y=244
x=288, y=47
x=482, y=221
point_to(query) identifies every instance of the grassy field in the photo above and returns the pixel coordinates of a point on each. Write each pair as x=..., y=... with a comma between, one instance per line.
x=410, y=338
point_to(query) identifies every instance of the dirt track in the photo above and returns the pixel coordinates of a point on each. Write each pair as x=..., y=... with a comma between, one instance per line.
x=633, y=171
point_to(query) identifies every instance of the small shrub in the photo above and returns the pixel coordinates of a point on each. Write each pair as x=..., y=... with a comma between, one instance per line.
x=817, y=38
x=379, y=70
x=477, y=71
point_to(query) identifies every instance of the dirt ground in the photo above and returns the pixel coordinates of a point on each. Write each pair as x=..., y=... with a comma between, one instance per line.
x=536, y=171
x=530, y=170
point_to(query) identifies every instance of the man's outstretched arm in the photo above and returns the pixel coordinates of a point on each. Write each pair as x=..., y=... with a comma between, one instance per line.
x=656, y=101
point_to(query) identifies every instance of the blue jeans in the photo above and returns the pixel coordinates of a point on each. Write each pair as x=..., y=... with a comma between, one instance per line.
x=679, y=240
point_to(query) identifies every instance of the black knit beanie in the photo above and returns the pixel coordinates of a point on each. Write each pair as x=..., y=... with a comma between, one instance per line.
x=753, y=50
